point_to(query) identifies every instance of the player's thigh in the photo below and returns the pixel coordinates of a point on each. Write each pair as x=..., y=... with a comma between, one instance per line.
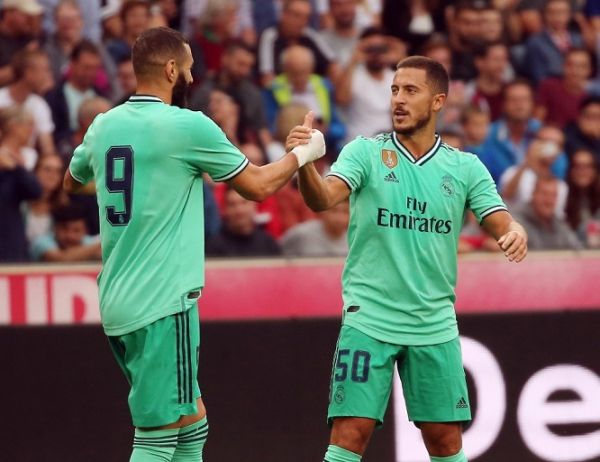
x=434, y=383
x=161, y=363
x=361, y=379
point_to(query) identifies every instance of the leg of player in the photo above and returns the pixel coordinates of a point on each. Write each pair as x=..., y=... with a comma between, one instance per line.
x=349, y=439
x=443, y=441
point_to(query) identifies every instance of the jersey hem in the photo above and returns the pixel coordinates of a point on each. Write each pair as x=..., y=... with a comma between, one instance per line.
x=400, y=339
x=236, y=171
x=343, y=178
x=492, y=210
x=75, y=177
x=132, y=327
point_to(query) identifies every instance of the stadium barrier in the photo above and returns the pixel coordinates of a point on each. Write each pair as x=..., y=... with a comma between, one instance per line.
x=530, y=345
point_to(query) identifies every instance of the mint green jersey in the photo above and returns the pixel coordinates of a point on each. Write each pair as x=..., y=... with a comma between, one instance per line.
x=147, y=159
x=405, y=218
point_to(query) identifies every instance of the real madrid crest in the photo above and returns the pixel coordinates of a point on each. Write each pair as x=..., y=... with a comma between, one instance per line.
x=447, y=186
x=389, y=158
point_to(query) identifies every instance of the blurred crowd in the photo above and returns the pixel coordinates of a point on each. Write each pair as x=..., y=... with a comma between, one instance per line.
x=524, y=97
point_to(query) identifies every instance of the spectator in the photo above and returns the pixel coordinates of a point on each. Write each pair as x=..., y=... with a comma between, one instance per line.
x=234, y=79
x=545, y=230
x=545, y=51
x=464, y=31
x=16, y=18
x=475, y=124
x=49, y=172
x=195, y=10
x=364, y=87
x=452, y=138
x=474, y=238
x=70, y=241
x=112, y=25
x=493, y=29
x=226, y=111
x=323, y=237
x=509, y=137
x=239, y=235
x=545, y=151
x=135, y=17
x=69, y=32
x=65, y=99
x=299, y=84
x=485, y=91
x=585, y=132
x=126, y=81
x=293, y=29
x=559, y=98
x=16, y=186
x=91, y=11
x=583, y=201
x=214, y=33
x=530, y=17
x=32, y=78
x=16, y=132
x=413, y=21
x=343, y=34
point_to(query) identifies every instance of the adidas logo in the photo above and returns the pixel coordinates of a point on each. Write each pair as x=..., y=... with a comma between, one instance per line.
x=391, y=177
x=462, y=404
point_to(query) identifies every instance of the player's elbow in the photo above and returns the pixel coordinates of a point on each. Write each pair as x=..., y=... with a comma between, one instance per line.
x=68, y=185
x=257, y=193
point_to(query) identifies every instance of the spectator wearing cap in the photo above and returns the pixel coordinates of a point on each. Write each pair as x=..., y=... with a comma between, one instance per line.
x=90, y=12
x=17, y=185
x=68, y=33
x=545, y=51
x=559, y=98
x=585, y=131
x=33, y=78
x=16, y=19
x=545, y=230
x=69, y=241
x=65, y=99
x=234, y=77
x=363, y=90
x=301, y=85
x=110, y=19
x=135, y=16
x=293, y=29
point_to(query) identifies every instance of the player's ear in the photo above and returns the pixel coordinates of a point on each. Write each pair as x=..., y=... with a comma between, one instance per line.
x=171, y=70
x=438, y=102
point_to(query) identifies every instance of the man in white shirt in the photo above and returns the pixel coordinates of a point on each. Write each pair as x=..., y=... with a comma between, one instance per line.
x=363, y=89
x=32, y=78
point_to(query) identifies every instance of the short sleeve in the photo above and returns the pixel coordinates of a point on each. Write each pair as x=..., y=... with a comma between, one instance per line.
x=43, y=116
x=353, y=165
x=212, y=152
x=80, y=166
x=482, y=196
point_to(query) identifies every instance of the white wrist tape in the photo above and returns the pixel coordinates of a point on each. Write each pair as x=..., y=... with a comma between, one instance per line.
x=312, y=151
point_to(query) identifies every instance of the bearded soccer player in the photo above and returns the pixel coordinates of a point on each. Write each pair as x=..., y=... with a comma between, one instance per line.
x=408, y=195
x=147, y=158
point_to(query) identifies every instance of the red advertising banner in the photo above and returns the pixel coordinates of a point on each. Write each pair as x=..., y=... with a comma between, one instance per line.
x=284, y=289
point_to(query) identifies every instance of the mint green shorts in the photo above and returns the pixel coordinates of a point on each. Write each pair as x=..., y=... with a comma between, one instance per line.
x=160, y=362
x=433, y=379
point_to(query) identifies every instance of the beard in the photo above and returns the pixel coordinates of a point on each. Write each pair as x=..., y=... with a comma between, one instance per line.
x=374, y=65
x=179, y=94
x=418, y=125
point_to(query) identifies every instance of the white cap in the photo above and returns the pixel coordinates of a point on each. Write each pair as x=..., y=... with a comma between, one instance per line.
x=31, y=7
x=112, y=8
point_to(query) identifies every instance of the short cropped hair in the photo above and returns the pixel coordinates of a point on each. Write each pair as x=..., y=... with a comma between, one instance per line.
x=154, y=47
x=84, y=46
x=437, y=77
x=23, y=59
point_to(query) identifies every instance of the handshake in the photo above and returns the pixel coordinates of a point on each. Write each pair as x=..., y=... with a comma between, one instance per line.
x=305, y=142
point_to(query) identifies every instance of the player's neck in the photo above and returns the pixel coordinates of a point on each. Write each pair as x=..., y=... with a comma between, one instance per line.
x=420, y=142
x=154, y=90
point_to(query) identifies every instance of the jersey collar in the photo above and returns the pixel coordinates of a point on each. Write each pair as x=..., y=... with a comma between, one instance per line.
x=406, y=153
x=144, y=99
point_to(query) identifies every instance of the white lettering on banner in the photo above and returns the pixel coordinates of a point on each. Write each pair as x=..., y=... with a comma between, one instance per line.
x=65, y=290
x=4, y=301
x=535, y=413
x=36, y=300
x=491, y=407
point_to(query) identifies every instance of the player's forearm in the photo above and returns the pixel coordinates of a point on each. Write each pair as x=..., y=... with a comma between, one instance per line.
x=258, y=183
x=313, y=188
x=80, y=253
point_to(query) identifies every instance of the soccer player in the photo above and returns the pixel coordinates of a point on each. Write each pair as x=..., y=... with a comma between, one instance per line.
x=147, y=158
x=408, y=194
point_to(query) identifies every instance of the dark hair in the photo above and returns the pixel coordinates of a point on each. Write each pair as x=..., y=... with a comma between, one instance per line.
x=130, y=5
x=155, y=47
x=238, y=44
x=437, y=77
x=548, y=2
x=577, y=196
x=370, y=32
x=482, y=49
x=84, y=46
x=22, y=60
x=469, y=5
x=68, y=213
x=588, y=101
x=519, y=81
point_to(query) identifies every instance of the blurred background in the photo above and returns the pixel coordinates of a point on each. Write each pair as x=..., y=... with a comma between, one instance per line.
x=524, y=97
